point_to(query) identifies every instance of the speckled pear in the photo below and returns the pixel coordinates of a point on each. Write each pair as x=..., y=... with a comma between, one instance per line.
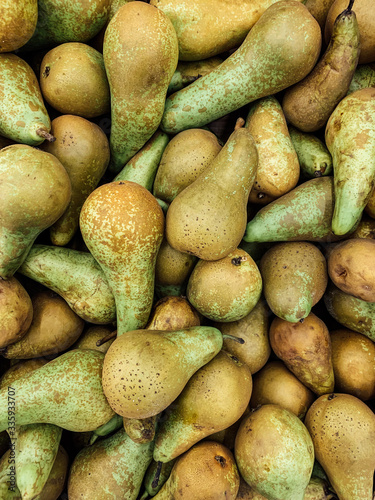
x=140, y=63
x=313, y=156
x=254, y=70
x=17, y=23
x=122, y=225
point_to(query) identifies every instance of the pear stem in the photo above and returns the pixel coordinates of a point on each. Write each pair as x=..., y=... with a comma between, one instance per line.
x=240, y=122
x=155, y=481
x=349, y=8
x=46, y=135
x=105, y=339
x=239, y=340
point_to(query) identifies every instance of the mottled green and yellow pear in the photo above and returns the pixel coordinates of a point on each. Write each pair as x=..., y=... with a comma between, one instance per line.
x=66, y=392
x=145, y=370
x=17, y=23
x=36, y=191
x=111, y=469
x=342, y=429
x=76, y=277
x=292, y=49
x=364, y=76
x=208, y=471
x=122, y=225
x=208, y=218
x=350, y=138
x=273, y=443
x=313, y=156
x=140, y=64
x=23, y=116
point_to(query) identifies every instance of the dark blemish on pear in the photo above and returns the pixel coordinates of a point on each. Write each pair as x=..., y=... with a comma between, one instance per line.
x=221, y=460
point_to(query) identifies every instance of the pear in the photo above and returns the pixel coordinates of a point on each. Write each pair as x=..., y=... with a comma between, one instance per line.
x=21, y=368
x=17, y=23
x=342, y=428
x=278, y=167
x=313, y=155
x=208, y=218
x=139, y=64
x=207, y=471
x=227, y=289
x=365, y=229
x=66, y=392
x=253, y=329
x=172, y=313
x=350, y=138
x=112, y=468
x=319, y=9
x=274, y=453
x=59, y=22
x=36, y=191
x=145, y=370
x=187, y=155
x=214, y=398
x=364, y=76
x=353, y=357
x=92, y=336
x=76, y=277
x=16, y=311
x=83, y=149
x=292, y=49
x=308, y=104
x=294, y=278
x=23, y=116
x=189, y=71
x=73, y=80
x=305, y=348
x=275, y=384
x=140, y=430
x=132, y=223
x=143, y=167
x=54, y=328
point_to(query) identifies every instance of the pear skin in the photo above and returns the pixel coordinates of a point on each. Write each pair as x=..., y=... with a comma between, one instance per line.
x=313, y=156
x=20, y=369
x=364, y=76
x=140, y=430
x=245, y=75
x=305, y=348
x=350, y=138
x=273, y=443
x=37, y=191
x=137, y=385
x=342, y=429
x=319, y=9
x=66, y=392
x=208, y=218
x=93, y=334
x=214, y=398
x=365, y=229
x=189, y=71
x=122, y=225
x=76, y=277
x=17, y=23
x=139, y=64
x=172, y=313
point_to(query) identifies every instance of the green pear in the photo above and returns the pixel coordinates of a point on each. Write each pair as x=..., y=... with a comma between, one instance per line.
x=273, y=443
x=17, y=23
x=364, y=76
x=36, y=191
x=122, y=226
x=112, y=469
x=142, y=168
x=83, y=149
x=140, y=64
x=313, y=155
x=145, y=370
x=66, y=392
x=23, y=116
x=76, y=277
x=350, y=138
x=342, y=429
x=189, y=71
x=292, y=49
x=208, y=218
x=214, y=398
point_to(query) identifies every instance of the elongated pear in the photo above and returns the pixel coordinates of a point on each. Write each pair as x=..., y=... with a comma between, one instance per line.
x=66, y=392
x=273, y=443
x=214, y=398
x=76, y=277
x=208, y=218
x=122, y=224
x=111, y=469
x=145, y=370
x=23, y=116
x=140, y=64
x=143, y=167
x=350, y=138
x=17, y=23
x=36, y=191
x=303, y=214
x=342, y=429
x=313, y=155
x=292, y=49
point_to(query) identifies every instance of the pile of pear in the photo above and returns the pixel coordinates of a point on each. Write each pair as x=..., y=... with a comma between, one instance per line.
x=187, y=250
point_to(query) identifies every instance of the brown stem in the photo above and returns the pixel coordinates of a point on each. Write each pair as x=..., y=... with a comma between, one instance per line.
x=105, y=339
x=349, y=7
x=42, y=132
x=239, y=123
x=232, y=337
x=155, y=481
